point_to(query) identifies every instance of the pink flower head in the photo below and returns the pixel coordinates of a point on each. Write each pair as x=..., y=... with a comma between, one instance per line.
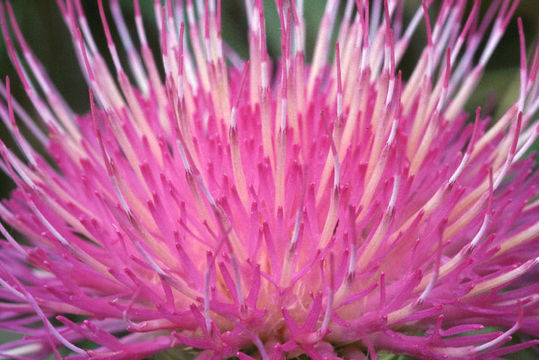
x=270, y=208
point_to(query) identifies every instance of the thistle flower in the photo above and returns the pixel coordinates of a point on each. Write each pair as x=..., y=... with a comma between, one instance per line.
x=272, y=208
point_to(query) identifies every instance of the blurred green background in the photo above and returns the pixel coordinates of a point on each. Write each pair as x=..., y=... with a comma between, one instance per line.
x=47, y=35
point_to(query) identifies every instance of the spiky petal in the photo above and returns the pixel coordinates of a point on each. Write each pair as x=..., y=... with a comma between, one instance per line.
x=329, y=209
